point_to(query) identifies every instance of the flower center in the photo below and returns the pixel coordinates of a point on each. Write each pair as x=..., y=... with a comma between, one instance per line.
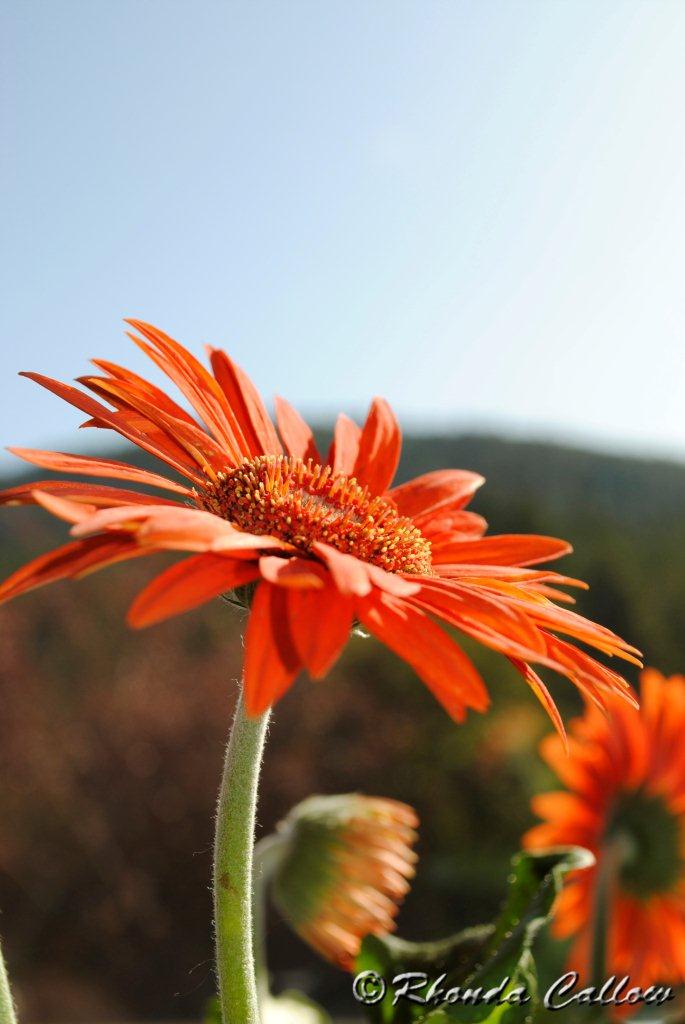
x=652, y=861
x=301, y=502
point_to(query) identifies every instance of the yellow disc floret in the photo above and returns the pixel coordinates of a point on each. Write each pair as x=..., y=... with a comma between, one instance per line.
x=302, y=502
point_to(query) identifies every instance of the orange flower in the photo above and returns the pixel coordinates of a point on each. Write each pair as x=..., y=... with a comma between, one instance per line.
x=626, y=776
x=322, y=542
x=345, y=870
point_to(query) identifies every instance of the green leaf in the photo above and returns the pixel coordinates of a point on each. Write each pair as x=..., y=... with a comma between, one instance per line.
x=479, y=958
x=387, y=956
x=534, y=884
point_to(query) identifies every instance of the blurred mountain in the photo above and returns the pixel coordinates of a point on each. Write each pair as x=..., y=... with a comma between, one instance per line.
x=111, y=741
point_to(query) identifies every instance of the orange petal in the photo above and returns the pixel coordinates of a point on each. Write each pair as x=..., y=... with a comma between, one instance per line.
x=487, y=573
x=86, y=466
x=320, y=625
x=62, y=508
x=271, y=661
x=391, y=583
x=552, y=593
x=179, y=529
x=564, y=807
x=129, y=419
x=490, y=619
x=92, y=494
x=345, y=447
x=243, y=397
x=225, y=429
x=201, y=533
x=155, y=394
x=200, y=445
x=506, y=549
x=296, y=433
x=294, y=573
x=544, y=696
x=186, y=585
x=653, y=694
x=563, y=620
x=427, y=494
x=117, y=422
x=379, y=448
x=435, y=658
x=450, y=525
x=194, y=381
x=584, y=668
x=349, y=574
x=69, y=562
x=120, y=517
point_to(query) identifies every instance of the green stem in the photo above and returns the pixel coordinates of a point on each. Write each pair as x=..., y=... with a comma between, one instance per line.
x=233, y=849
x=7, y=1014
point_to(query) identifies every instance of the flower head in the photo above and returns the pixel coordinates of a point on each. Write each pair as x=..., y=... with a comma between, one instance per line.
x=320, y=542
x=625, y=801
x=346, y=870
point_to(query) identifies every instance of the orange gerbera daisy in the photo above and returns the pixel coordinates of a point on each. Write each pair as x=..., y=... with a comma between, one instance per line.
x=314, y=544
x=626, y=776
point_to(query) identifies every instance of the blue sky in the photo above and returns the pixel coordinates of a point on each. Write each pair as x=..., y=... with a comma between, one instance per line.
x=475, y=208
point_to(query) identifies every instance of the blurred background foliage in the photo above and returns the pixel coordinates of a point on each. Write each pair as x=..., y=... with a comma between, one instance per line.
x=111, y=743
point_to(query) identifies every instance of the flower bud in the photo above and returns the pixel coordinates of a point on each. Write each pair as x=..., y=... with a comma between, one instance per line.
x=344, y=870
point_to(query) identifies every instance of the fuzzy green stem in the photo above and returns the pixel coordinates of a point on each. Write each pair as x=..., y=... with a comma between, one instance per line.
x=233, y=852
x=7, y=1014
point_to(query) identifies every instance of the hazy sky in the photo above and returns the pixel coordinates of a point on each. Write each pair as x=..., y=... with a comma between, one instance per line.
x=475, y=208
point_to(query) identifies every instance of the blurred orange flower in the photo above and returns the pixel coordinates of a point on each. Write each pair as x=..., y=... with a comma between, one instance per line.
x=313, y=544
x=626, y=801
x=346, y=870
